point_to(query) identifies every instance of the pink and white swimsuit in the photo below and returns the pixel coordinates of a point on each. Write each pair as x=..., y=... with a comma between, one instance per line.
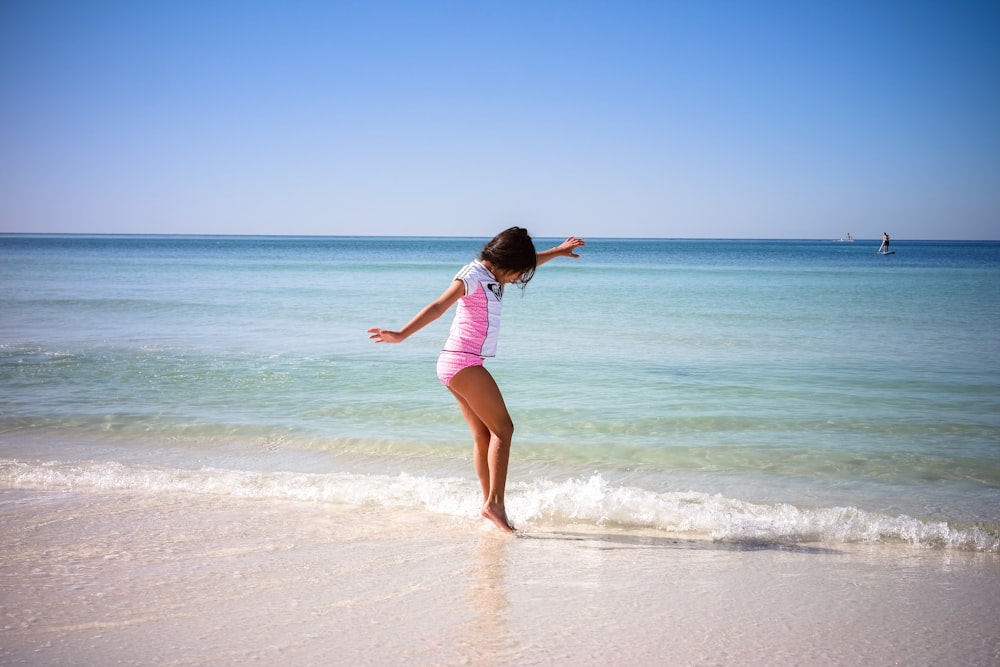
x=476, y=326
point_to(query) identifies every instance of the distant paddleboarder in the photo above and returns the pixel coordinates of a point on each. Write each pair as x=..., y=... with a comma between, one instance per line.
x=884, y=248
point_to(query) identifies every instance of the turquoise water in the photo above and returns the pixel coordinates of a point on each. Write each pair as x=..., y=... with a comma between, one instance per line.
x=748, y=390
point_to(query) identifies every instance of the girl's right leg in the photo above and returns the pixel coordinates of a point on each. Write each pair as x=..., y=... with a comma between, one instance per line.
x=492, y=429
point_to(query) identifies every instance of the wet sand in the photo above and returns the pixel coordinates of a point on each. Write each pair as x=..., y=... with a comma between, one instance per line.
x=95, y=578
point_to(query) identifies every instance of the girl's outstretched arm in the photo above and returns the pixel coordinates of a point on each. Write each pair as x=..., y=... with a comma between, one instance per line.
x=428, y=314
x=564, y=249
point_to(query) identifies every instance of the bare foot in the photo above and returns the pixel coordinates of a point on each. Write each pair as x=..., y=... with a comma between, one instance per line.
x=498, y=516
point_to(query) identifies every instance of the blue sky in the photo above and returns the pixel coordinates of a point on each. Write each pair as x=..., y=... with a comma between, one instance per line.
x=660, y=119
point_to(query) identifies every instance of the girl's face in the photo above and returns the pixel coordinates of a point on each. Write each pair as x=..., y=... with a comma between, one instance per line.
x=505, y=277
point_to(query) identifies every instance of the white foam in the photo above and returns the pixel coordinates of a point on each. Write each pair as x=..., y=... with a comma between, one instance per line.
x=544, y=502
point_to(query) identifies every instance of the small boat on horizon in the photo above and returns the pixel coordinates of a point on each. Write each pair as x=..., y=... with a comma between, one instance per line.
x=848, y=239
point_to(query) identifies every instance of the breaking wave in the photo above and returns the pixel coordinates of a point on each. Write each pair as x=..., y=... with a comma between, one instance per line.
x=542, y=502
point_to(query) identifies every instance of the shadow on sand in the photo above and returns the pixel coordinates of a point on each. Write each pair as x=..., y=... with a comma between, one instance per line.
x=626, y=541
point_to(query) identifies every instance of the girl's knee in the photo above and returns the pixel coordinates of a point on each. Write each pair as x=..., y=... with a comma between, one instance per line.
x=505, y=431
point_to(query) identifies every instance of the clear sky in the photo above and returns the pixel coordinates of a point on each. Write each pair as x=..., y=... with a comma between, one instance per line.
x=745, y=119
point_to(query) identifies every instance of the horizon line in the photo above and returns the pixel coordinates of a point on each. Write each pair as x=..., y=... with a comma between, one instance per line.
x=446, y=236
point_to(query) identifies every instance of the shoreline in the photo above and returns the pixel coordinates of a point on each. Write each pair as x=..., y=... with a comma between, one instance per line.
x=722, y=512
x=95, y=577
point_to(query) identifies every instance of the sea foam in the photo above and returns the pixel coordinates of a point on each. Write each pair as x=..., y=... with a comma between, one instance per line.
x=541, y=503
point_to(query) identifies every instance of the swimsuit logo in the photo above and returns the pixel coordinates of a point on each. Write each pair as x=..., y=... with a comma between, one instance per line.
x=497, y=290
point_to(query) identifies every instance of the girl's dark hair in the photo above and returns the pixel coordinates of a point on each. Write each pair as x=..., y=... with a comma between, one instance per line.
x=512, y=250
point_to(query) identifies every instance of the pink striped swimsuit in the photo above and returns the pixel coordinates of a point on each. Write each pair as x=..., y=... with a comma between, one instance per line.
x=476, y=326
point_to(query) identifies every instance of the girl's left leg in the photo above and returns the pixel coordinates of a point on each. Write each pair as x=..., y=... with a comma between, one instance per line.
x=486, y=414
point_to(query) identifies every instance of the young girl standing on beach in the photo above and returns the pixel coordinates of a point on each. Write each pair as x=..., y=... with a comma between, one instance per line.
x=478, y=288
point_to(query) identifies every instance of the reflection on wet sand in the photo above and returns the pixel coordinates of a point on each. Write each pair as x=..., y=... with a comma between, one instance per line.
x=488, y=634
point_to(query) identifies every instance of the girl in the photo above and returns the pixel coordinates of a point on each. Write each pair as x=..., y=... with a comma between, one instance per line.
x=478, y=288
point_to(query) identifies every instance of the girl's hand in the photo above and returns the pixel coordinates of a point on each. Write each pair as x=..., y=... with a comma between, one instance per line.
x=564, y=249
x=567, y=247
x=385, y=336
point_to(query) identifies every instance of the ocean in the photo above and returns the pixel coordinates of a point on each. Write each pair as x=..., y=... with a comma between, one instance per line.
x=745, y=392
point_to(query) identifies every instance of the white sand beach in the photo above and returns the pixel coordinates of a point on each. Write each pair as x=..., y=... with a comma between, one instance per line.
x=96, y=578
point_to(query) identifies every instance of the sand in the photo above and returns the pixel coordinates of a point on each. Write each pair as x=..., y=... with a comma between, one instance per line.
x=99, y=578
